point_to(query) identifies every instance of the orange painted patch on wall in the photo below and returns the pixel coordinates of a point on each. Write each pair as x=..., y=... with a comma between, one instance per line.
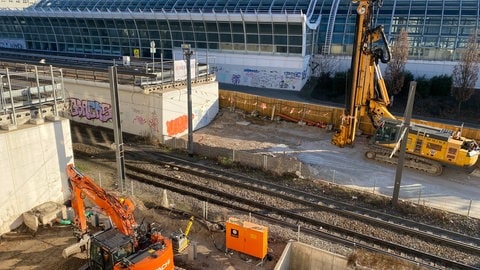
x=177, y=125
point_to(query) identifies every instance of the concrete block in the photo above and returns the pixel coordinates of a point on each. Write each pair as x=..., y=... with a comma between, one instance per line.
x=44, y=214
x=48, y=212
x=53, y=118
x=78, y=247
x=30, y=220
x=48, y=218
x=36, y=121
x=9, y=127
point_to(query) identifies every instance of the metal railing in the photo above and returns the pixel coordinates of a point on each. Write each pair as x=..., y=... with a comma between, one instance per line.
x=29, y=88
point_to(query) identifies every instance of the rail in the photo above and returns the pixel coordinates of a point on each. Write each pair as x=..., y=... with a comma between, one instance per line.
x=306, y=207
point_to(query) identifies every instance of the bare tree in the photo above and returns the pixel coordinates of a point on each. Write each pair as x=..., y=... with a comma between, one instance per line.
x=465, y=72
x=395, y=72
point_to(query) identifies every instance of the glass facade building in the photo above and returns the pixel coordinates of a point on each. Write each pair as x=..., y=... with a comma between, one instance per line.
x=118, y=27
x=437, y=29
x=270, y=33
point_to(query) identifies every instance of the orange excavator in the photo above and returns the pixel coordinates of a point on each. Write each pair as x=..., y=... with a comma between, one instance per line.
x=126, y=245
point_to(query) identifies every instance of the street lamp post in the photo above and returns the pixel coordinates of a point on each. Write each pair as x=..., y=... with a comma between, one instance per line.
x=153, y=50
x=187, y=52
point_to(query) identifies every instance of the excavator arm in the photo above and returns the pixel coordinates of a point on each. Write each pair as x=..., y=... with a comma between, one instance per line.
x=119, y=210
x=368, y=96
x=127, y=246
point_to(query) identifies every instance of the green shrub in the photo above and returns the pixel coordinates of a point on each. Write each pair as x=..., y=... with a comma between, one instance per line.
x=423, y=87
x=408, y=77
x=225, y=161
x=441, y=85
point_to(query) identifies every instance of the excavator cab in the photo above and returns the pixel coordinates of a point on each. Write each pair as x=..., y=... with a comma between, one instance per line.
x=107, y=248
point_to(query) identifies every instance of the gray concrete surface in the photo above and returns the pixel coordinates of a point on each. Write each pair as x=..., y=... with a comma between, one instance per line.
x=297, y=255
x=454, y=191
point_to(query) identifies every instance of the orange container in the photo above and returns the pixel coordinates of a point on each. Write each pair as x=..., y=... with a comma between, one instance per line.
x=246, y=237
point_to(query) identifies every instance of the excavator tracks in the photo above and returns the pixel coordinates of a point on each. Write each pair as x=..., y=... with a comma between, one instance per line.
x=382, y=154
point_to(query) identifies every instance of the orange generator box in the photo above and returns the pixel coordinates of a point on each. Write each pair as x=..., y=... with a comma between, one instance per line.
x=246, y=237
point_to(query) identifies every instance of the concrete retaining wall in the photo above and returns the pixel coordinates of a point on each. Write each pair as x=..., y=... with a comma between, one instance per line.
x=160, y=114
x=298, y=255
x=32, y=165
x=258, y=70
x=279, y=164
x=418, y=68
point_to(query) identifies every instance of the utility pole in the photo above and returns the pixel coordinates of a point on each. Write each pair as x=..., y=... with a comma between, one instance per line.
x=117, y=127
x=403, y=144
x=187, y=52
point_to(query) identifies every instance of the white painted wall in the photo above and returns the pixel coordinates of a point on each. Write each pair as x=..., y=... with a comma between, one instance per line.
x=428, y=69
x=32, y=165
x=158, y=114
x=257, y=70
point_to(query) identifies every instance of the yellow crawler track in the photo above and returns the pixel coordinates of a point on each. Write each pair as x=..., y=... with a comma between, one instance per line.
x=382, y=154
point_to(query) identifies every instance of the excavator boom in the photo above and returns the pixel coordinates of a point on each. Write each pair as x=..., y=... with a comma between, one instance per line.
x=119, y=210
x=124, y=246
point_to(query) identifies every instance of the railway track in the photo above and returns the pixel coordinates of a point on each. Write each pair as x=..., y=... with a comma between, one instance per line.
x=352, y=226
x=324, y=203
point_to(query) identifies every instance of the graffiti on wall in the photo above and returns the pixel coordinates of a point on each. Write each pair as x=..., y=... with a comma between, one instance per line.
x=264, y=78
x=90, y=109
x=177, y=125
x=236, y=79
x=152, y=121
x=291, y=78
x=216, y=69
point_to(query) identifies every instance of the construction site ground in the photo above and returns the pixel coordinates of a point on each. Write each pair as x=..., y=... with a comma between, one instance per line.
x=21, y=249
x=26, y=250
x=454, y=191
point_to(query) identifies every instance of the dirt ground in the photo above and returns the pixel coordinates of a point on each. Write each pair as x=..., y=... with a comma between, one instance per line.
x=241, y=131
x=21, y=249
